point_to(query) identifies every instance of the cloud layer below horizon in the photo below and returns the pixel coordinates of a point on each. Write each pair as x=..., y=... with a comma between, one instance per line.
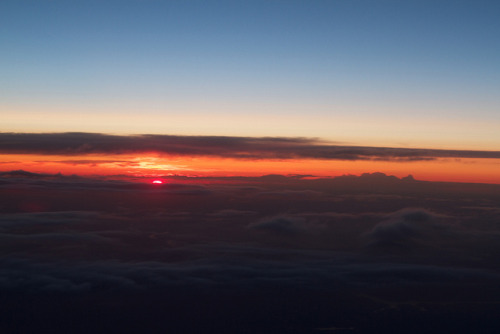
x=353, y=249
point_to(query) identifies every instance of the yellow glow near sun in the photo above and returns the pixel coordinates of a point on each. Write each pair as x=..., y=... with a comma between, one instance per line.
x=155, y=163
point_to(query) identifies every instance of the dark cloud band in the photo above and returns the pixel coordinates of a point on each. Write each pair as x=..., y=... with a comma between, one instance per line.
x=77, y=143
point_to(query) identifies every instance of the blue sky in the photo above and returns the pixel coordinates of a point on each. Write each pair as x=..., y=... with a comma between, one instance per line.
x=408, y=60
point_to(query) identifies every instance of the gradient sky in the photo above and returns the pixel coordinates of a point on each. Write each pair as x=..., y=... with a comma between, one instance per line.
x=386, y=72
x=417, y=74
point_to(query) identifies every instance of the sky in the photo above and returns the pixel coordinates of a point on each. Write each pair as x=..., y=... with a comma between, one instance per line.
x=384, y=73
x=249, y=166
x=413, y=74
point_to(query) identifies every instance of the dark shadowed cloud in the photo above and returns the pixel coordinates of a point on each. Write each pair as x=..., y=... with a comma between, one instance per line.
x=270, y=254
x=405, y=230
x=280, y=224
x=218, y=146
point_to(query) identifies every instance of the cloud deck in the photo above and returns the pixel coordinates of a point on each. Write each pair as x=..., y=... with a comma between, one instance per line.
x=269, y=254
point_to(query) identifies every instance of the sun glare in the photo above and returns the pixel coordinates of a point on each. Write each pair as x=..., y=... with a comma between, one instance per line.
x=157, y=182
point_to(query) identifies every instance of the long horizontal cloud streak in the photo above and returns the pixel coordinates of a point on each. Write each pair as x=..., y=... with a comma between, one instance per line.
x=216, y=146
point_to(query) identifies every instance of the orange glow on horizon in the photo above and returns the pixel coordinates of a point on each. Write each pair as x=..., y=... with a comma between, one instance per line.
x=451, y=170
